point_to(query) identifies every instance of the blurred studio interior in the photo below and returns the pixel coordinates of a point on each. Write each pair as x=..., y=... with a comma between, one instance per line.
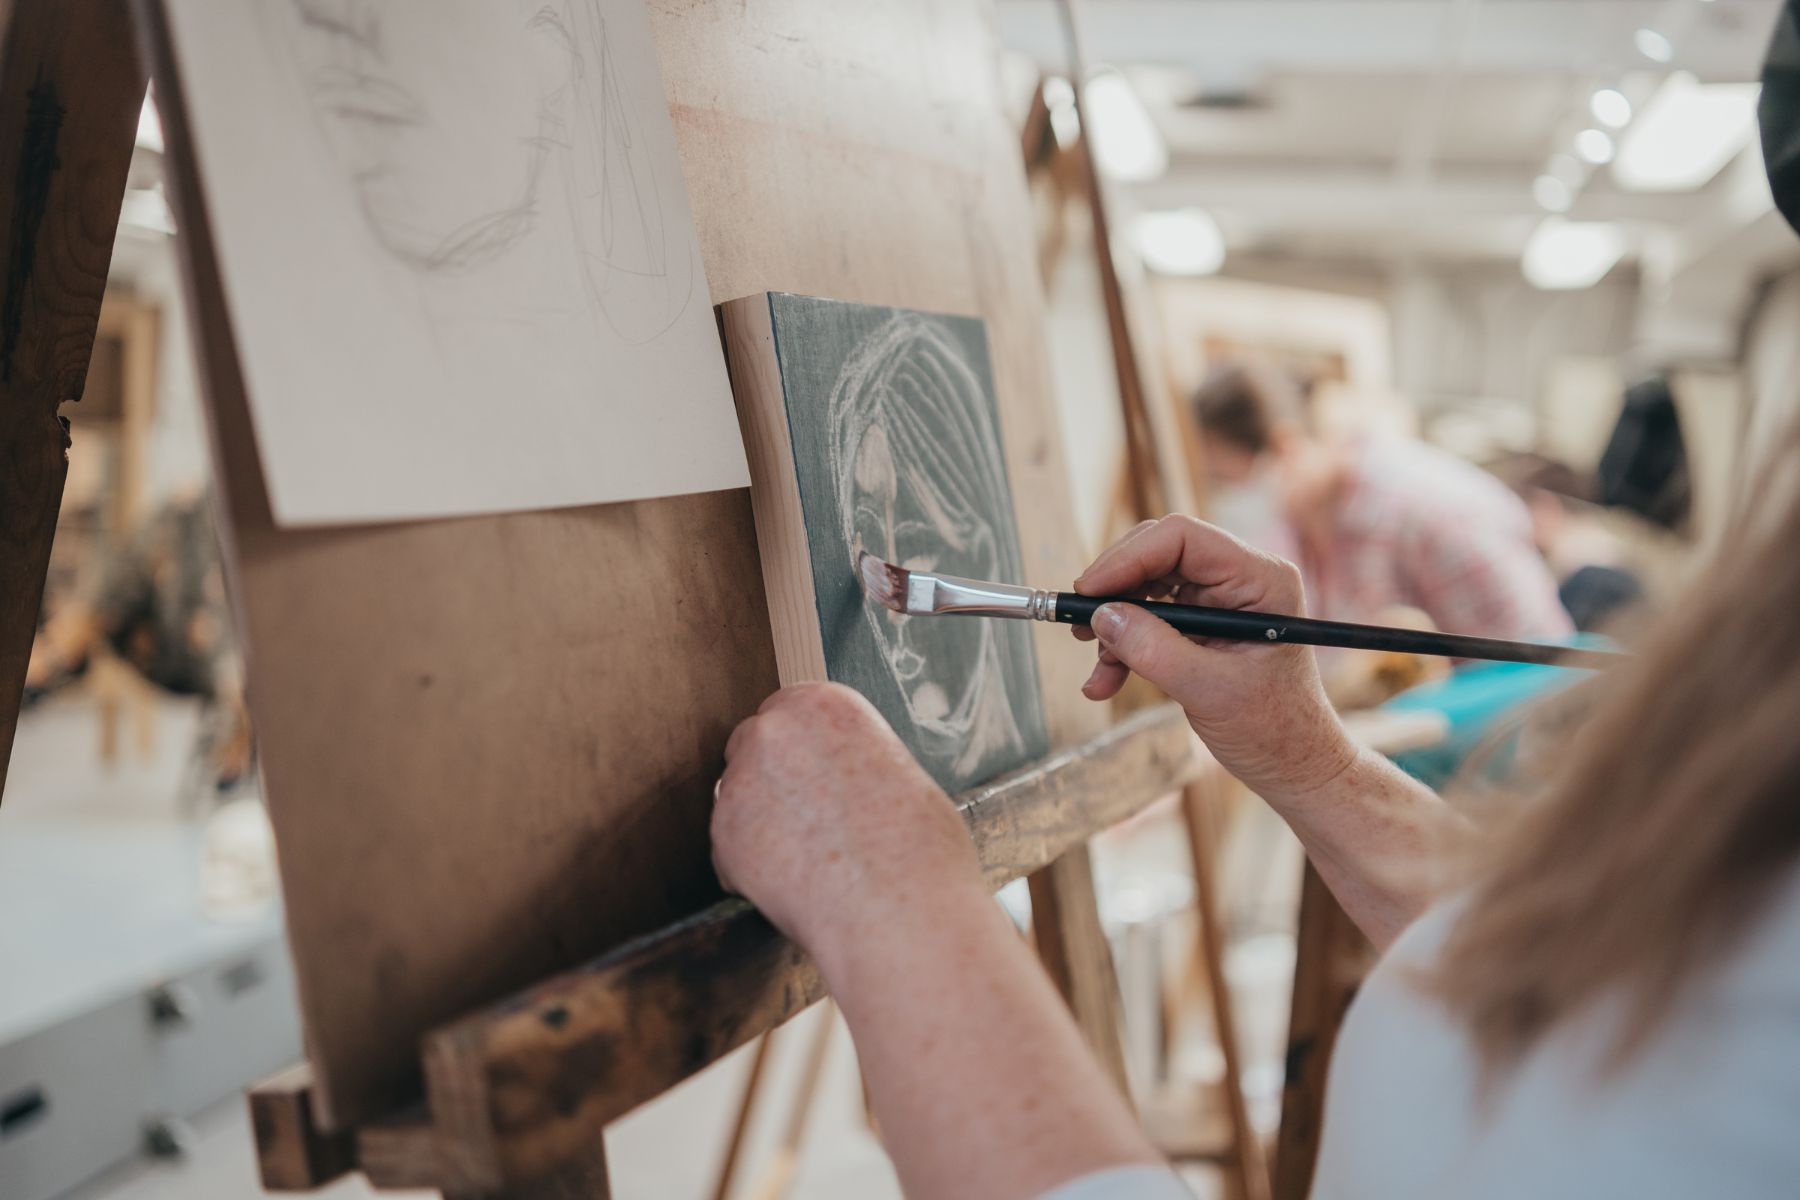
x=1534, y=236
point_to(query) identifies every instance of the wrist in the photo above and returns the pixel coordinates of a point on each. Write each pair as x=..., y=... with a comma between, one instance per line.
x=1311, y=772
x=881, y=925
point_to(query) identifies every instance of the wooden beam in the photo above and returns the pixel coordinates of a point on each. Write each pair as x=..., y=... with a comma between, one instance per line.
x=70, y=92
x=292, y=1152
x=520, y=1087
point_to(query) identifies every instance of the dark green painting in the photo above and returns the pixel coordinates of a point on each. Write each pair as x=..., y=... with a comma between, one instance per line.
x=897, y=451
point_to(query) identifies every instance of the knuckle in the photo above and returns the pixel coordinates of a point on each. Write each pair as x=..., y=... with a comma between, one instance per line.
x=1184, y=522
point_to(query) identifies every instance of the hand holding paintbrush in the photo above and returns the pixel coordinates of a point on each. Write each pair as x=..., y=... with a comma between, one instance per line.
x=920, y=593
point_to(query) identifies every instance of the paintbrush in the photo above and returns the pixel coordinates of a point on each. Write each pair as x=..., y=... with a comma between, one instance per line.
x=924, y=594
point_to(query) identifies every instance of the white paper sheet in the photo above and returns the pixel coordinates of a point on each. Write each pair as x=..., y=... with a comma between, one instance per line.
x=457, y=253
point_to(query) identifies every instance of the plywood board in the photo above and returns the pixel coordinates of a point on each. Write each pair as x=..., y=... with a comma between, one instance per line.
x=489, y=744
x=457, y=255
x=874, y=428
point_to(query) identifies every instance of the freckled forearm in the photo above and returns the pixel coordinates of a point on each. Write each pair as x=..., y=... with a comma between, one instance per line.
x=1379, y=839
x=977, y=1073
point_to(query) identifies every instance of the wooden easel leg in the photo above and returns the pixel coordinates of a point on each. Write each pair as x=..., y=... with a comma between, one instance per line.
x=584, y=1180
x=778, y=1176
x=746, y=1106
x=1247, y=1168
x=1065, y=922
x=70, y=91
x=1331, y=957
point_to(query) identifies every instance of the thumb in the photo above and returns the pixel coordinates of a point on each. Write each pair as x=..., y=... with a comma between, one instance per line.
x=1147, y=644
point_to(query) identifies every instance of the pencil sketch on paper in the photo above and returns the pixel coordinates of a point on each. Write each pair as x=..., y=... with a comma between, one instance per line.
x=459, y=228
x=386, y=114
x=897, y=448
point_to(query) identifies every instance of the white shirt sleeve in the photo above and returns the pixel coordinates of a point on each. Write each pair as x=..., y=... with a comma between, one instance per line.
x=1124, y=1183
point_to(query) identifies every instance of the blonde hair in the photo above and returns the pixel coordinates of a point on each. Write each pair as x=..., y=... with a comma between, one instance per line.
x=1677, y=810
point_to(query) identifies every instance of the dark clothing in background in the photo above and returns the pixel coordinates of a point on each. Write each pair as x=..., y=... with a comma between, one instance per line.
x=1779, y=113
x=1594, y=595
x=1645, y=466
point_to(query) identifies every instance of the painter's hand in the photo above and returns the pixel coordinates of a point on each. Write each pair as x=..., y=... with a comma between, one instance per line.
x=1261, y=709
x=824, y=820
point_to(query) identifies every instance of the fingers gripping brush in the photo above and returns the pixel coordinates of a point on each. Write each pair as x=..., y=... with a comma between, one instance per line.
x=922, y=594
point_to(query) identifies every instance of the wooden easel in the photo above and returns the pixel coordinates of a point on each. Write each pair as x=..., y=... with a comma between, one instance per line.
x=1155, y=480
x=512, y=1099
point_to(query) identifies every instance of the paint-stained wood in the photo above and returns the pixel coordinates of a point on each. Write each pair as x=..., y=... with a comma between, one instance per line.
x=489, y=744
x=292, y=1153
x=70, y=91
x=517, y=1087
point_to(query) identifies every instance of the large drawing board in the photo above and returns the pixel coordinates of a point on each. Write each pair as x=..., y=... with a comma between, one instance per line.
x=874, y=428
x=489, y=744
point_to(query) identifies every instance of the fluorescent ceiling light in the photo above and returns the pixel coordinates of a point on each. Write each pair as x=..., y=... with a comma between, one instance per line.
x=1552, y=194
x=1125, y=141
x=1594, y=146
x=1184, y=241
x=1565, y=255
x=149, y=130
x=1610, y=107
x=1654, y=46
x=1686, y=135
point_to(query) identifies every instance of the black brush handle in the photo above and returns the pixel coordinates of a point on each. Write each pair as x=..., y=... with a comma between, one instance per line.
x=1240, y=625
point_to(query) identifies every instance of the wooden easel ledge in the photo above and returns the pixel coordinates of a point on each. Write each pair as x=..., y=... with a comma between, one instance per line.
x=521, y=1092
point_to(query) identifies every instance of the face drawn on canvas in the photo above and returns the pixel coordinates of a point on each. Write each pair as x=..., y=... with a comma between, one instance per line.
x=921, y=483
x=465, y=166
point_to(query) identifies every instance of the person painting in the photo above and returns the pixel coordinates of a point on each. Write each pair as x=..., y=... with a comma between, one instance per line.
x=1599, y=997
x=1380, y=524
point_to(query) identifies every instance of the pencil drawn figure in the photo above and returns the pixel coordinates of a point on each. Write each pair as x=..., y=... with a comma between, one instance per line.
x=921, y=481
x=555, y=152
x=457, y=255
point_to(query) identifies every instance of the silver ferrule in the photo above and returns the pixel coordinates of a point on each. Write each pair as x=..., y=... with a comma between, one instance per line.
x=943, y=595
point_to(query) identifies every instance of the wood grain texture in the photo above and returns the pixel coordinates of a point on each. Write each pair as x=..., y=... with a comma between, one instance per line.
x=793, y=601
x=489, y=744
x=70, y=91
x=516, y=1088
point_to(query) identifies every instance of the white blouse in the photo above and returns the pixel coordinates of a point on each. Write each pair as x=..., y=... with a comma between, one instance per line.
x=1710, y=1106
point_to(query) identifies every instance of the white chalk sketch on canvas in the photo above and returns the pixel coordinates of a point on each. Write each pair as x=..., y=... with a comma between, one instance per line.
x=456, y=247
x=921, y=482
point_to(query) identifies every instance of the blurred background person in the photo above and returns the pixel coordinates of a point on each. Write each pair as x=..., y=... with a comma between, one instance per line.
x=1379, y=522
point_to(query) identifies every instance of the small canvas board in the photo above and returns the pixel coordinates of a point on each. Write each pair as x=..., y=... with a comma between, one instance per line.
x=457, y=254
x=875, y=428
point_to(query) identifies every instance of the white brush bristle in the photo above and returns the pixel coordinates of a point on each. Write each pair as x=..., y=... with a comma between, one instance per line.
x=884, y=582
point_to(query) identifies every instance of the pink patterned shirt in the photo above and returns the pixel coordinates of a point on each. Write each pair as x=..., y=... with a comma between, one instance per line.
x=1420, y=527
